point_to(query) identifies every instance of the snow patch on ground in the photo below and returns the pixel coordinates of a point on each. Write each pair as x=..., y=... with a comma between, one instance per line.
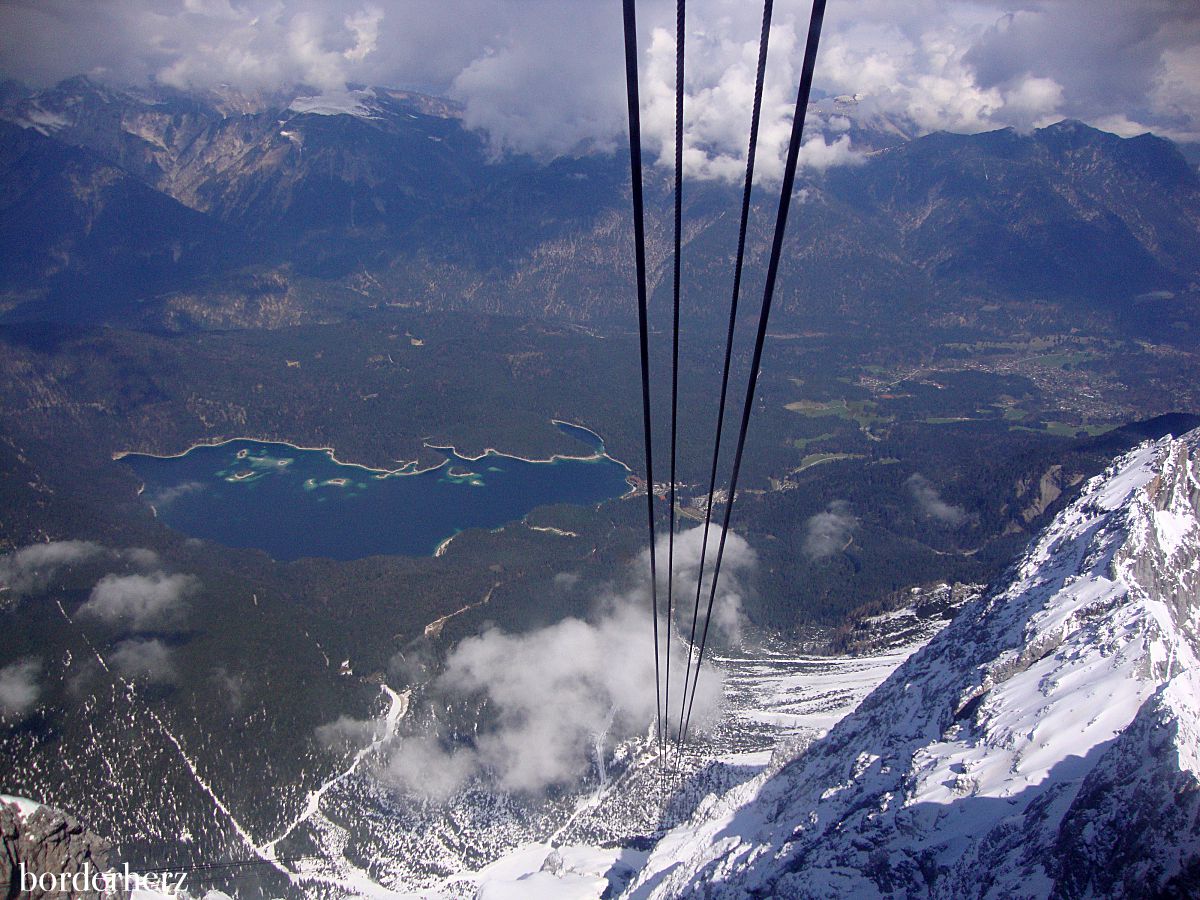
x=25, y=806
x=540, y=871
x=42, y=121
x=1173, y=529
x=337, y=103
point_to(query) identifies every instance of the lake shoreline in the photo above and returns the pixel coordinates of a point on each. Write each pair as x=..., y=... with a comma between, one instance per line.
x=400, y=470
x=382, y=514
x=407, y=467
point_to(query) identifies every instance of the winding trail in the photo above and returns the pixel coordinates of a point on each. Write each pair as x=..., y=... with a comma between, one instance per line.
x=434, y=628
x=397, y=708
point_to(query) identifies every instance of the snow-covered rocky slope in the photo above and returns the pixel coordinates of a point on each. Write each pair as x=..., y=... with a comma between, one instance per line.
x=45, y=853
x=590, y=838
x=1046, y=743
x=775, y=696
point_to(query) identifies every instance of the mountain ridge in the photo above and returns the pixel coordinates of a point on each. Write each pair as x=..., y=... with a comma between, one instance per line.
x=1011, y=755
x=405, y=204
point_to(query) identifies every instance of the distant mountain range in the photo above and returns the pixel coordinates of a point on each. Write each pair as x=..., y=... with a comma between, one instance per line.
x=182, y=209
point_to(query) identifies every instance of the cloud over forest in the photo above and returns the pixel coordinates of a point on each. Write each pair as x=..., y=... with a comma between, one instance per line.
x=929, y=501
x=828, y=532
x=144, y=602
x=19, y=688
x=558, y=698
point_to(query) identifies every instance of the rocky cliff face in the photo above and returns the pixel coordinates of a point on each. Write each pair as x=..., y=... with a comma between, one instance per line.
x=42, y=840
x=1046, y=744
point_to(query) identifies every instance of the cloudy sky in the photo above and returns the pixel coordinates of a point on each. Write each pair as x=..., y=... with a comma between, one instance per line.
x=546, y=75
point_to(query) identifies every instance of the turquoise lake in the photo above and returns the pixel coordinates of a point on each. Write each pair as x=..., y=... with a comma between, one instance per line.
x=294, y=503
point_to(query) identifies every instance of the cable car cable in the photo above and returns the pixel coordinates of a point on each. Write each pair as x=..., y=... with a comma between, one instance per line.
x=785, y=199
x=760, y=77
x=680, y=31
x=639, y=238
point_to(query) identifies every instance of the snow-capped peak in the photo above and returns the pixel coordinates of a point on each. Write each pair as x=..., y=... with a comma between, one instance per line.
x=359, y=103
x=1046, y=742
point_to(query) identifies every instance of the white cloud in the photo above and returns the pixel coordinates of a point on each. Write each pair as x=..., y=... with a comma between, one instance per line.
x=559, y=695
x=232, y=686
x=828, y=532
x=906, y=61
x=422, y=765
x=35, y=568
x=547, y=75
x=555, y=692
x=931, y=504
x=820, y=154
x=566, y=580
x=144, y=659
x=346, y=733
x=364, y=25
x=738, y=561
x=139, y=556
x=32, y=568
x=169, y=495
x=543, y=83
x=143, y=602
x=19, y=689
x=1034, y=101
x=1123, y=59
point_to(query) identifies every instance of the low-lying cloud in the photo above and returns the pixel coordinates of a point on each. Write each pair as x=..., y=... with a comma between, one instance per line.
x=558, y=698
x=738, y=561
x=168, y=495
x=142, y=602
x=34, y=569
x=555, y=694
x=31, y=569
x=566, y=581
x=347, y=733
x=929, y=501
x=151, y=600
x=231, y=686
x=19, y=688
x=144, y=659
x=830, y=531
